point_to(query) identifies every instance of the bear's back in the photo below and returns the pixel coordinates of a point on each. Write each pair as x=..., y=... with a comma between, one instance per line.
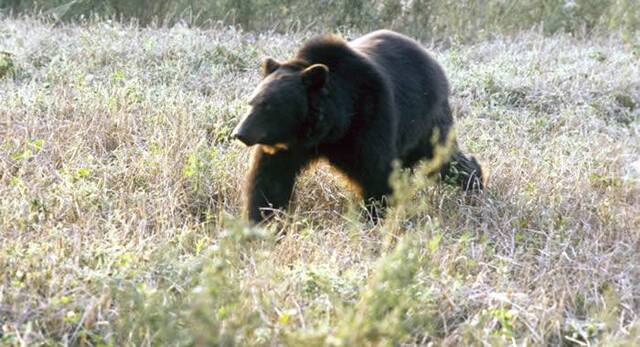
x=419, y=86
x=406, y=63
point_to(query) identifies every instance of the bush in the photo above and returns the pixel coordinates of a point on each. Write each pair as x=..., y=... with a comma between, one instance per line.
x=427, y=19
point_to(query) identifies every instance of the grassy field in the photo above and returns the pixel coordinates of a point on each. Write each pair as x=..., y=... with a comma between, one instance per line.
x=120, y=194
x=443, y=20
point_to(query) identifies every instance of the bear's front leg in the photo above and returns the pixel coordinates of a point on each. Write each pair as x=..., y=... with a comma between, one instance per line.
x=270, y=181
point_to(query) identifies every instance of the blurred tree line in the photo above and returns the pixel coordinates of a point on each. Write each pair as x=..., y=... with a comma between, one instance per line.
x=461, y=19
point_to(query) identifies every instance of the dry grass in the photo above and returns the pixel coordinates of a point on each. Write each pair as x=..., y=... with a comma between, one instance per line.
x=119, y=189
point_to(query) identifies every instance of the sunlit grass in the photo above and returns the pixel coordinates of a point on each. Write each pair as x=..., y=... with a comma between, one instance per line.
x=120, y=190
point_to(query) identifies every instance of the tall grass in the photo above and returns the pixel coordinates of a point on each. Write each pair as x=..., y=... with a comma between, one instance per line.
x=427, y=19
x=120, y=191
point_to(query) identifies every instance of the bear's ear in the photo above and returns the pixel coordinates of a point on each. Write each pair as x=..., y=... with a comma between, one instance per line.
x=269, y=65
x=315, y=76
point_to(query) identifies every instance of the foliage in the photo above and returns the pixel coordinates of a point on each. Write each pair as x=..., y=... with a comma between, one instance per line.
x=120, y=184
x=427, y=19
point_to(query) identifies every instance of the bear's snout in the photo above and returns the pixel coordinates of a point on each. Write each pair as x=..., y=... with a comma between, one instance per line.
x=247, y=134
x=243, y=138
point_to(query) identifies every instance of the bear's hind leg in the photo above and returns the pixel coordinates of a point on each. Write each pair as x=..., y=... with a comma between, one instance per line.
x=463, y=171
x=376, y=189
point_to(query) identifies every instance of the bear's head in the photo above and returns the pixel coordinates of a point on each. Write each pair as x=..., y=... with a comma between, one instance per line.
x=280, y=105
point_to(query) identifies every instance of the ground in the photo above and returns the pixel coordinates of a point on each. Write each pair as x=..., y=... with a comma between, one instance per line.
x=121, y=193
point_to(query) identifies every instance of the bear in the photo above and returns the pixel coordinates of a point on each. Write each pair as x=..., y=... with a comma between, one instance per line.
x=359, y=105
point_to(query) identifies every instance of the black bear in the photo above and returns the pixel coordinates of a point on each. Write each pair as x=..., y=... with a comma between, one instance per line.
x=360, y=105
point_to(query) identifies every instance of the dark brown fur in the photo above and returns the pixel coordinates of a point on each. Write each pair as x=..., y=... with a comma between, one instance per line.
x=360, y=105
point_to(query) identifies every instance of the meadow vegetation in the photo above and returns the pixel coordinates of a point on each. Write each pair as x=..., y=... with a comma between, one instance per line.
x=120, y=195
x=442, y=20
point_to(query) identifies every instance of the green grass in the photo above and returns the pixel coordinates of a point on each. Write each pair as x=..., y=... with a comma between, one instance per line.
x=121, y=189
x=440, y=20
